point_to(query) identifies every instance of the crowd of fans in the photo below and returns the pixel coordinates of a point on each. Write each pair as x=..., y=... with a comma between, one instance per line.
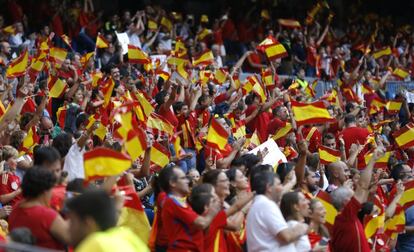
x=204, y=198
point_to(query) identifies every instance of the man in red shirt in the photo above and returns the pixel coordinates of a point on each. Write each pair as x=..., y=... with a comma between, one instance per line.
x=185, y=227
x=353, y=134
x=348, y=233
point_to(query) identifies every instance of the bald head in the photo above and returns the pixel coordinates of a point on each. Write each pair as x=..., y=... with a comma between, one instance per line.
x=338, y=172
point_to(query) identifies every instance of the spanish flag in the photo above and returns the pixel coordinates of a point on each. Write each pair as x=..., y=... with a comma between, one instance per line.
x=127, y=124
x=159, y=124
x=205, y=58
x=267, y=78
x=236, y=80
x=275, y=51
x=405, y=136
x=101, y=42
x=203, y=34
x=396, y=224
x=175, y=60
x=331, y=211
x=160, y=155
x=58, y=55
x=18, y=66
x=133, y=215
x=101, y=131
x=269, y=40
x=407, y=199
x=282, y=132
x=328, y=155
x=373, y=222
x=394, y=107
x=310, y=113
x=259, y=91
x=137, y=56
x=102, y=162
x=61, y=116
x=366, y=89
x=2, y=109
x=289, y=23
x=85, y=58
x=205, y=76
x=37, y=66
x=136, y=143
x=29, y=141
x=220, y=76
x=381, y=162
x=56, y=86
x=217, y=136
x=312, y=13
x=180, y=48
x=107, y=89
x=254, y=140
x=9, y=29
x=182, y=71
x=144, y=108
x=383, y=52
x=401, y=73
x=152, y=25
x=166, y=23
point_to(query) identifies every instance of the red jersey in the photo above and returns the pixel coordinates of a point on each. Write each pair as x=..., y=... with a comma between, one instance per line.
x=311, y=55
x=39, y=220
x=314, y=137
x=214, y=239
x=182, y=235
x=58, y=197
x=203, y=116
x=169, y=115
x=354, y=135
x=348, y=233
x=187, y=127
x=161, y=238
x=260, y=123
x=10, y=183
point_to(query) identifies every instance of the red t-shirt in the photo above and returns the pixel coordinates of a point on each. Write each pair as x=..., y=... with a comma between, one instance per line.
x=58, y=197
x=169, y=115
x=39, y=220
x=203, y=116
x=162, y=239
x=314, y=138
x=348, y=233
x=255, y=58
x=12, y=183
x=187, y=127
x=214, y=237
x=311, y=56
x=259, y=123
x=354, y=135
x=178, y=220
x=229, y=30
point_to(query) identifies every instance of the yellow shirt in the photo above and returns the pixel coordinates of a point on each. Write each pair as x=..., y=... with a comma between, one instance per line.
x=114, y=239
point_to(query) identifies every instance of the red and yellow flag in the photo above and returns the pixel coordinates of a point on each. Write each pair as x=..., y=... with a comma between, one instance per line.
x=160, y=155
x=85, y=58
x=220, y=76
x=383, y=52
x=217, y=136
x=102, y=162
x=30, y=141
x=101, y=42
x=137, y=56
x=56, y=86
x=203, y=34
x=61, y=116
x=381, y=162
x=282, y=131
x=9, y=29
x=396, y=224
x=309, y=113
x=407, y=198
x=275, y=51
x=405, y=136
x=144, y=108
x=166, y=23
x=204, y=58
x=267, y=78
x=289, y=23
x=136, y=143
x=67, y=40
x=331, y=211
x=259, y=91
x=374, y=222
x=18, y=66
x=401, y=73
x=366, y=89
x=182, y=71
x=394, y=107
x=58, y=55
x=107, y=89
x=159, y=124
x=328, y=155
x=133, y=215
x=2, y=109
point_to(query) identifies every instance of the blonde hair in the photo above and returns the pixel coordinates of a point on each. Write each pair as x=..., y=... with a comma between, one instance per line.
x=9, y=152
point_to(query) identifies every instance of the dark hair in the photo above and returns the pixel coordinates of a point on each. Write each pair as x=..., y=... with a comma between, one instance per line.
x=25, y=119
x=283, y=170
x=22, y=235
x=45, y=155
x=76, y=185
x=349, y=118
x=159, y=98
x=349, y=107
x=178, y=106
x=36, y=181
x=17, y=138
x=286, y=204
x=397, y=172
x=62, y=143
x=249, y=161
x=231, y=174
x=200, y=197
x=166, y=175
x=328, y=136
x=96, y=204
x=261, y=181
x=80, y=119
x=211, y=176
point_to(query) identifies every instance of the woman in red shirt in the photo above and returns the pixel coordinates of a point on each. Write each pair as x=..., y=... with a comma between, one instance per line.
x=10, y=192
x=49, y=228
x=318, y=235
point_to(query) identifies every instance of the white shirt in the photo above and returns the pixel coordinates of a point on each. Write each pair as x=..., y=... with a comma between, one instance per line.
x=134, y=39
x=303, y=243
x=264, y=222
x=74, y=163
